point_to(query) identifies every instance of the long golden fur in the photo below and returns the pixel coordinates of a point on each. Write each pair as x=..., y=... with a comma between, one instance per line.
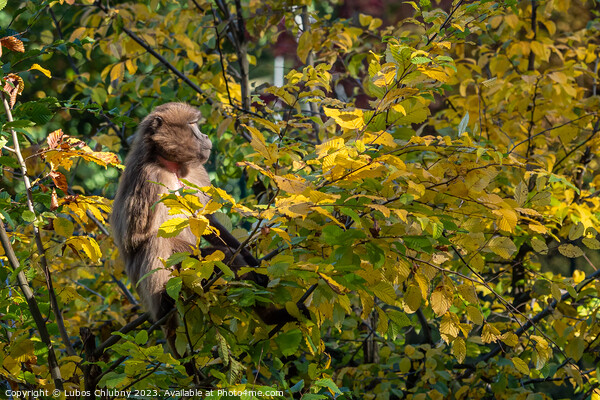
x=169, y=147
x=168, y=136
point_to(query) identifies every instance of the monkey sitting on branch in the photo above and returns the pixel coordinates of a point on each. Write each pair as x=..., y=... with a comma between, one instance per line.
x=169, y=148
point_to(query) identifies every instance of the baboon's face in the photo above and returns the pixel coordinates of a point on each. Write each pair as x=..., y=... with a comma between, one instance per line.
x=173, y=128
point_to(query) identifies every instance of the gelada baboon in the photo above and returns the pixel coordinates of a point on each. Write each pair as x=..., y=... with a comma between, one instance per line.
x=168, y=148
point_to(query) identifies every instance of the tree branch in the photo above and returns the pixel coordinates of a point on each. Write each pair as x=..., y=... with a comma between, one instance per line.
x=115, y=338
x=36, y=232
x=160, y=58
x=39, y=320
x=541, y=315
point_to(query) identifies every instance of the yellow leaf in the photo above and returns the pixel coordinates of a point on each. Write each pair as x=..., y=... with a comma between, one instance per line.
x=198, y=226
x=459, y=349
x=521, y=192
x=423, y=283
x=86, y=245
x=259, y=144
x=490, y=334
x=467, y=291
x=556, y=293
x=383, y=209
x=291, y=183
x=42, y=70
x=578, y=276
x=412, y=299
x=449, y=326
x=385, y=292
x=382, y=322
x=172, y=227
x=475, y=315
x=399, y=109
x=441, y=300
x=380, y=138
x=304, y=46
x=502, y=246
x=324, y=149
x=336, y=287
x=538, y=228
x=11, y=365
x=591, y=243
x=386, y=75
x=283, y=234
x=117, y=72
x=328, y=214
x=520, y=365
x=346, y=119
x=67, y=370
x=507, y=219
x=68, y=294
x=457, y=26
x=22, y=351
x=510, y=339
x=438, y=74
x=364, y=20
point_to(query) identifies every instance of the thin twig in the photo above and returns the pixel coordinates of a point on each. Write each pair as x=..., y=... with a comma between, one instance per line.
x=60, y=35
x=531, y=121
x=594, y=131
x=541, y=315
x=550, y=129
x=310, y=60
x=115, y=338
x=448, y=18
x=39, y=320
x=36, y=232
x=125, y=291
x=160, y=58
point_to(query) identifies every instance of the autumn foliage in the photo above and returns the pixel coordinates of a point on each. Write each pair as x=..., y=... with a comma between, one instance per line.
x=428, y=188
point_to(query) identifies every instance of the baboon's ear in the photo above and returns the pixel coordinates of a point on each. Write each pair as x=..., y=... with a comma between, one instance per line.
x=156, y=122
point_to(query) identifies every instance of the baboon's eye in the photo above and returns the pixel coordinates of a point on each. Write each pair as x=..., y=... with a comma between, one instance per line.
x=196, y=130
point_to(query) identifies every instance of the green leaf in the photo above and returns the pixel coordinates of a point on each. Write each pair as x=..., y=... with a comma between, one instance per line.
x=173, y=287
x=63, y=227
x=420, y=60
x=28, y=216
x=334, y=235
x=328, y=383
x=591, y=243
x=223, y=348
x=576, y=231
x=375, y=254
x=141, y=337
x=569, y=250
x=289, y=342
x=399, y=318
x=539, y=246
x=297, y=387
